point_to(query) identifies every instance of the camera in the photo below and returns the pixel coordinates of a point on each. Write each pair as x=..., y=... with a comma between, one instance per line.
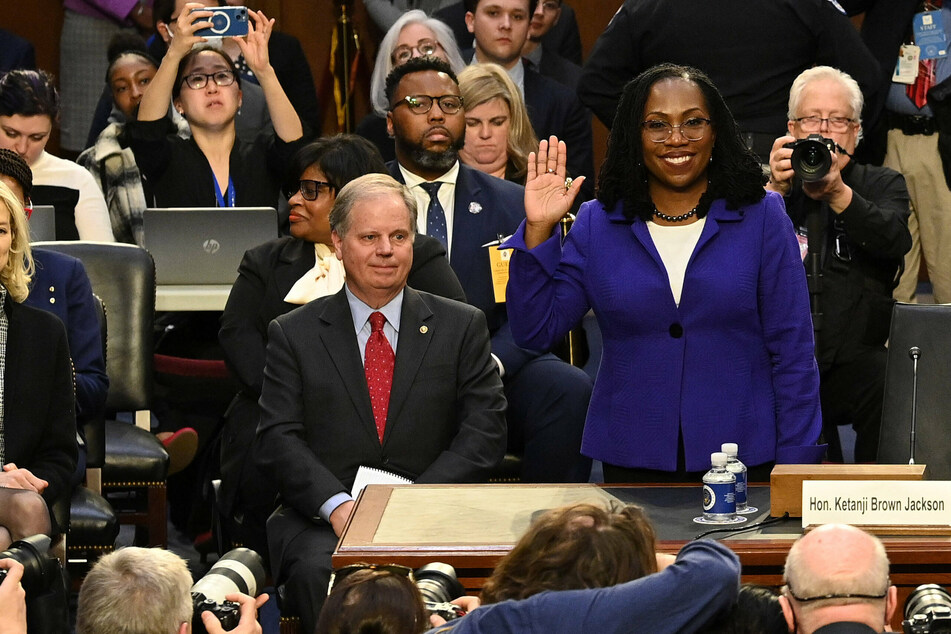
x=927, y=610
x=238, y=570
x=39, y=570
x=438, y=584
x=812, y=157
x=225, y=21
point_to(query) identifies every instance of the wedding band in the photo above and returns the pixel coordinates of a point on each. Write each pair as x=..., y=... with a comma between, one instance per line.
x=568, y=182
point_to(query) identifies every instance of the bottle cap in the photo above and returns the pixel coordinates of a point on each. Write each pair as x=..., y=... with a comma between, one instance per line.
x=729, y=448
x=718, y=459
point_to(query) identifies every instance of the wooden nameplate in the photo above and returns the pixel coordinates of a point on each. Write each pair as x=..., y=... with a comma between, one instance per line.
x=785, y=481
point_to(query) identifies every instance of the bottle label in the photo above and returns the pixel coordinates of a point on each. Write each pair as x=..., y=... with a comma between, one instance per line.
x=740, y=488
x=719, y=498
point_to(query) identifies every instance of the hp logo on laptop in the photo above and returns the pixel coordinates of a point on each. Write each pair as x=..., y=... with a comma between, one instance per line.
x=211, y=246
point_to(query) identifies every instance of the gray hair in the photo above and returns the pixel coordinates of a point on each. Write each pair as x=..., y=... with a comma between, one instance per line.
x=384, y=55
x=135, y=591
x=366, y=187
x=856, y=100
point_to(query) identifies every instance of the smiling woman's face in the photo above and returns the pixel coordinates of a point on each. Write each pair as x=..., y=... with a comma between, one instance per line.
x=310, y=219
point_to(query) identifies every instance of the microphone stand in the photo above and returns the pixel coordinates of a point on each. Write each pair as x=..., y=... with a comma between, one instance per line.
x=915, y=353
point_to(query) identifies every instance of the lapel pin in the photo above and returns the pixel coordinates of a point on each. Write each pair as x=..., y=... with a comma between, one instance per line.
x=424, y=329
x=475, y=208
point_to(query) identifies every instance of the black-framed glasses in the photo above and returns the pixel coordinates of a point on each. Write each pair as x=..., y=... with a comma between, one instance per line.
x=197, y=81
x=814, y=124
x=692, y=129
x=422, y=104
x=308, y=189
x=825, y=597
x=342, y=573
x=550, y=5
x=404, y=52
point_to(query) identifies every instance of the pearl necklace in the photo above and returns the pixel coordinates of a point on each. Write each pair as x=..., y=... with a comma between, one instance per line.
x=680, y=218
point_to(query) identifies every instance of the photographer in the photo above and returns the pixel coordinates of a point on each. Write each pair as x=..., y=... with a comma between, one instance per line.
x=859, y=216
x=12, y=599
x=148, y=591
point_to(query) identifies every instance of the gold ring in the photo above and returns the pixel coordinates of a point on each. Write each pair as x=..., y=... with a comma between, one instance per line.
x=568, y=182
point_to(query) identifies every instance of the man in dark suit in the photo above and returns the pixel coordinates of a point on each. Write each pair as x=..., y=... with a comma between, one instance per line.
x=501, y=28
x=543, y=58
x=378, y=375
x=547, y=398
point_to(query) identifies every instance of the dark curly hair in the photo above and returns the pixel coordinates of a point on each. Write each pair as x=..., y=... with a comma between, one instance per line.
x=734, y=173
x=28, y=93
x=575, y=547
x=12, y=165
x=342, y=158
x=416, y=65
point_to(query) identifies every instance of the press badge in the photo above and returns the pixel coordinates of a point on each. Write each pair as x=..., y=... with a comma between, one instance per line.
x=906, y=70
x=930, y=36
x=499, y=261
x=803, y=238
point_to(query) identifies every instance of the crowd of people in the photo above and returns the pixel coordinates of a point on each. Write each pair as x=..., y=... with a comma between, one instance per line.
x=409, y=319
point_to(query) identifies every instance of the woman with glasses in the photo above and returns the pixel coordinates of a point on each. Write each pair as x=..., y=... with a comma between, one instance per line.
x=695, y=276
x=212, y=168
x=414, y=34
x=280, y=275
x=499, y=135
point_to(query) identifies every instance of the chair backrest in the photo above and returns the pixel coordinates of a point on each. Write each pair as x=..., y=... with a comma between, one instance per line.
x=123, y=276
x=927, y=327
x=94, y=428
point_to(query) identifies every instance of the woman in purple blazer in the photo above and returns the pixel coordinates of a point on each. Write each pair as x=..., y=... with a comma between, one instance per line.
x=694, y=274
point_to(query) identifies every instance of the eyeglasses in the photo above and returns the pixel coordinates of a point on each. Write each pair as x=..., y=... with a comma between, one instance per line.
x=422, y=104
x=342, y=573
x=692, y=129
x=197, y=81
x=404, y=52
x=825, y=597
x=814, y=124
x=308, y=189
x=550, y=5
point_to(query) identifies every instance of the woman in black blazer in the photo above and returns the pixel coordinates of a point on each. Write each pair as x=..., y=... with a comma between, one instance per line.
x=276, y=277
x=37, y=422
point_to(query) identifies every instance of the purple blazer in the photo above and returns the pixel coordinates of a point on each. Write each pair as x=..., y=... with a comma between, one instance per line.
x=733, y=363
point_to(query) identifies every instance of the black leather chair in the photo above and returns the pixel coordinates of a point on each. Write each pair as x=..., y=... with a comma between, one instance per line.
x=136, y=464
x=93, y=525
x=928, y=328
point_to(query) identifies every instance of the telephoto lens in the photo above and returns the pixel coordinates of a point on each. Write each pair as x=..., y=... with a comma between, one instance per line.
x=239, y=570
x=438, y=584
x=927, y=610
x=31, y=553
x=812, y=157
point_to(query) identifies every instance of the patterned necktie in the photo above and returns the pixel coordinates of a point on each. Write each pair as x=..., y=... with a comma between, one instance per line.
x=918, y=91
x=378, y=365
x=436, y=215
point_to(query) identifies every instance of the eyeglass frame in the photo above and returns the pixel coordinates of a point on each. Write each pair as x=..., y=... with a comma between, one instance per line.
x=545, y=5
x=670, y=128
x=403, y=571
x=848, y=123
x=436, y=46
x=406, y=101
x=287, y=189
x=211, y=76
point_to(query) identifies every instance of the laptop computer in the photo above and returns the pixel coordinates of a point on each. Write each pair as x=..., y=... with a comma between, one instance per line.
x=204, y=245
x=43, y=223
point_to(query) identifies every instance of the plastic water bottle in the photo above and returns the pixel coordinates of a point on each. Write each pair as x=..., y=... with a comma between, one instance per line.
x=719, y=491
x=738, y=469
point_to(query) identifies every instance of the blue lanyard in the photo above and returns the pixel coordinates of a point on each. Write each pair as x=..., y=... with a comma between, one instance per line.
x=218, y=195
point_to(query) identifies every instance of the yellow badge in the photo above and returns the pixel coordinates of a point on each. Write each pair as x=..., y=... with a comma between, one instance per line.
x=499, y=261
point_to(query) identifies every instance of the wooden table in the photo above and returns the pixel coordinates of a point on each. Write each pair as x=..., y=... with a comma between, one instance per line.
x=471, y=527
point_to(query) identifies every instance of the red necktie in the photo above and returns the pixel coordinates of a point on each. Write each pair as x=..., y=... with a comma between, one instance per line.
x=918, y=91
x=378, y=364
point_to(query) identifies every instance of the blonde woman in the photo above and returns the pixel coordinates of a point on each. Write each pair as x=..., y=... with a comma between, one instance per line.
x=37, y=424
x=499, y=135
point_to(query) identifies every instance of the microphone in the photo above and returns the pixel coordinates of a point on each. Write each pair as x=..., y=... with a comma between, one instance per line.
x=914, y=353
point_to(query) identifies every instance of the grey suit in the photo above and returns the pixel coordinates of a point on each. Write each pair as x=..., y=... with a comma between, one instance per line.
x=445, y=423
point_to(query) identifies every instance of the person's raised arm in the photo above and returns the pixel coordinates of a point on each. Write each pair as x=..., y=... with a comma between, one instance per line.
x=547, y=194
x=287, y=124
x=154, y=104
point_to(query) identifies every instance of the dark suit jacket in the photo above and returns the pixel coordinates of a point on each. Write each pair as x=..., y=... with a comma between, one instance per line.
x=446, y=418
x=39, y=426
x=556, y=67
x=501, y=208
x=61, y=286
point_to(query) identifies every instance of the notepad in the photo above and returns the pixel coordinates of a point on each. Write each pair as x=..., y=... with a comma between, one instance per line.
x=369, y=475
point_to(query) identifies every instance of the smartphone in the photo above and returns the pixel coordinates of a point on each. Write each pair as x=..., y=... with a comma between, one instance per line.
x=225, y=21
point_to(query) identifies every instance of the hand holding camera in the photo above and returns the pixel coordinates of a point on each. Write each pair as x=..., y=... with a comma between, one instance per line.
x=815, y=161
x=12, y=598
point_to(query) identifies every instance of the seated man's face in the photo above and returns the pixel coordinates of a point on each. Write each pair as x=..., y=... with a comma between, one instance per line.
x=377, y=249
x=827, y=100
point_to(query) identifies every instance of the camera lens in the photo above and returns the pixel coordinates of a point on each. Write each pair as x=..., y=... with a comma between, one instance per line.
x=238, y=570
x=928, y=599
x=437, y=583
x=31, y=553
x=811, y=159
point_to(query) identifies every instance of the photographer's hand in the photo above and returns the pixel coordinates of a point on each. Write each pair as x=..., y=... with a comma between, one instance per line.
x=467, y=603
x=248, y=623
x=831, y=189
x=12, y=599
x=780, y=166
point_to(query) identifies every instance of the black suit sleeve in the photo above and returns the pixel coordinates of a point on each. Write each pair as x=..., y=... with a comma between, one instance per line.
x=304, y=481
x=293, y=72
x=878, y=222
x=431, y=271
x=614, y=61
x=241, y=338
x=479, y=445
